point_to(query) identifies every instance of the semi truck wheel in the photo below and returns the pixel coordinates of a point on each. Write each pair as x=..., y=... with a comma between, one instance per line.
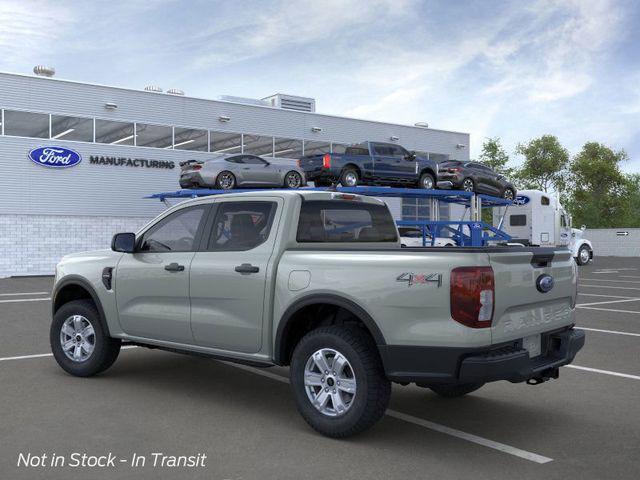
x=338, y=381
x=584, y=255
x=456, y=390
x=79, y=341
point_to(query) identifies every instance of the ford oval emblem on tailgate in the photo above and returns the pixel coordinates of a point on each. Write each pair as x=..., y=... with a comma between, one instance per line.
x=544, y=283
x=56, y=157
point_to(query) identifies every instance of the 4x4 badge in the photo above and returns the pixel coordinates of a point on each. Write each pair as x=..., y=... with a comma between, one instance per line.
x=420, y=278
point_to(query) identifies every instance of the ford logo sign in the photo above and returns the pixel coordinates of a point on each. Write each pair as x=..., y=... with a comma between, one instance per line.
x=521, y=200
x=544, y=283
x=55, y=157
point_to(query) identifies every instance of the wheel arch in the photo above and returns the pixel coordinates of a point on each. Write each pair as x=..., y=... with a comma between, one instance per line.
x=73, y=288
x=430, y=171
x=354, y=166
x=291, y=321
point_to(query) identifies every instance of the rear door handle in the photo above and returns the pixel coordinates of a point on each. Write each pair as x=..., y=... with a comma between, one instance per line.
x=247, y=268
x=174, y=267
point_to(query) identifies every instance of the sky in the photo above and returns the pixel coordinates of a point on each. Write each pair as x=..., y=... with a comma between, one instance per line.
x=509, y=69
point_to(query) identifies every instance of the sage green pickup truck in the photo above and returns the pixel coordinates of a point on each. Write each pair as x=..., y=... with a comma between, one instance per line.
x=318, y=281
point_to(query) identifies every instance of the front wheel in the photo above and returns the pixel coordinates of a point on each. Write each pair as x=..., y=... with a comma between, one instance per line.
x=338, y=381
x=80, y=343
x=226, y=180
x=293, y=179
x=455, y=390
x=584, y=255
x=427, y=181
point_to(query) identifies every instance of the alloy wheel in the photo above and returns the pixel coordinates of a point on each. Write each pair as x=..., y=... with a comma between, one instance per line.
x=467, y=185
x=508, y=194
x=330, y=382
x=293, y=180
x=226, y=181
x=77, y=338
x=427, y=182
x=350, y=179
x=584, y=255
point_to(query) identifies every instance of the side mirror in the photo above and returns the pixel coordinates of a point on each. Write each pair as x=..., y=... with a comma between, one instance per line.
x=410, y=156
x=124, y=242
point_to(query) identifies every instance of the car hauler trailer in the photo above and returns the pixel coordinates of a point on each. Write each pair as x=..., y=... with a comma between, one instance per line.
x=537, y=218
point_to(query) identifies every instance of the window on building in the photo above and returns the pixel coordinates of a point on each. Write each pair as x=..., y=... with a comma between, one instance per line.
x=338, y=148
x=316, y=148
x=190, y=139
x=258, y=145
x=115, y=133
x=240, y=226
x=438, y=157
x=157, y=136
x=222, y=142
x=71, y=128
x=26, y=124
x=287, y=148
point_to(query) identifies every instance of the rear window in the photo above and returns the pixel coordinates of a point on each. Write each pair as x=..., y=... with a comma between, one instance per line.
x=518, y=220
x=345, y=221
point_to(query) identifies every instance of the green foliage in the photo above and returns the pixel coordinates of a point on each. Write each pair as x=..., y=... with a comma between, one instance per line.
x=545, y=164
x=494, y=156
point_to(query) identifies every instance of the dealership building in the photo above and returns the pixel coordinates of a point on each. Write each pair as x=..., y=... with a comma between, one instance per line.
x=128, y=143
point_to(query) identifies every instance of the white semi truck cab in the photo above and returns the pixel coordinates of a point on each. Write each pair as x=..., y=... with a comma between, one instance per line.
x=538, y=219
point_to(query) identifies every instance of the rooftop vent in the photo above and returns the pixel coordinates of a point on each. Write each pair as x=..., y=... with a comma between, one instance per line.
x=175, y=91
x=244, y=100
x=43, y=71
x=291, y=102
x=422, y=124
x=153, y=88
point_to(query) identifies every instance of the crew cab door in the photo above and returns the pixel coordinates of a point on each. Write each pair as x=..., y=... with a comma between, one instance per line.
x=152, y=284
x=390, y=163
x=228, y=277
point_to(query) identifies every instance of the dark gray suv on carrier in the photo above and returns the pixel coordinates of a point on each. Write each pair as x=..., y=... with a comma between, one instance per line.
x=474, y=177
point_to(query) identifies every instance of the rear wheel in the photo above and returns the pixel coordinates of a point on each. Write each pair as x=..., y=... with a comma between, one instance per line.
x=226, y=180
x=338, y=381
x=584, y=255
x=293, y=179
x=508, y=194
x=427, y=181
x=349, y=177
x=468, y=185
x=455, y=390
x=80, y=342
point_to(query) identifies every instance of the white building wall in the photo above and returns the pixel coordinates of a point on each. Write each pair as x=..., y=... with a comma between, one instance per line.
x=612, y=242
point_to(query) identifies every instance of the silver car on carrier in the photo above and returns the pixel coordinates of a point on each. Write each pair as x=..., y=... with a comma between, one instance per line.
x=226, y=172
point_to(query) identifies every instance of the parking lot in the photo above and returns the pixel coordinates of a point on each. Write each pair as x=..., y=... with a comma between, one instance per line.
x=584, y=425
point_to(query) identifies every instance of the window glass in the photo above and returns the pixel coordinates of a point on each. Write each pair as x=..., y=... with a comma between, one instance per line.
x=544, y=201
x=157, y=136
x=398, y=151
x=518, y=220
x=316, y=148
x=190, y=139
x=241, y=225
x=71, y=128
x=26, y=124
x=382, y=149
x=287, y=148
x=253, y=160
x=345, y=221
x=175, y=233
x=226, y=142
x=338, y=148
x=115, y=133
x=358, y=150
x=257, y=145
x=237, y=159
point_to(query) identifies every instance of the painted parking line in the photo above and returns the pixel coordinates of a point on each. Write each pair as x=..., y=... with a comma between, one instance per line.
x=609, y=310
x=617, y=287
x=601, y=295
x=609, y=280
x=19, y=300
x=23, y=293
x=517, y=452
x=41, y=355
x=607, y=301
x=616, y=332
x=606, y=372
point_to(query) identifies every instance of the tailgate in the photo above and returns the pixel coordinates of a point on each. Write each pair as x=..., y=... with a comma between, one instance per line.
x=311, y=163
x=521, y=309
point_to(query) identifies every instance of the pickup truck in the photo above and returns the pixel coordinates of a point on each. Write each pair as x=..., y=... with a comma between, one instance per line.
x=371, y=163
x=318, y=281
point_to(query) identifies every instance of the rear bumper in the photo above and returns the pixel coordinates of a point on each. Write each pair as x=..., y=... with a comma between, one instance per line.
x=508, y=361
x=192, y=179
x=320, y=173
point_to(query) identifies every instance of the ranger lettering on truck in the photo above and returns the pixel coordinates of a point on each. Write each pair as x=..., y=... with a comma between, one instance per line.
x=318, y=281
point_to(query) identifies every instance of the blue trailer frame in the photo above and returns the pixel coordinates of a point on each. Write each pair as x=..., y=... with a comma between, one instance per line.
x=479, y=232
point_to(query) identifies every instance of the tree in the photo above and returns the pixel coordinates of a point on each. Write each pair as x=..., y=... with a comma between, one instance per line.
x=545, y=164
x=494, y=156
x=600, y=194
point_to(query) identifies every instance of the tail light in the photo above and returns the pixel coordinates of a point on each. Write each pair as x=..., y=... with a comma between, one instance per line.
x=326, y=161
x=196, y=167
x=454, y=170
x=472, y=296
x=298, y=163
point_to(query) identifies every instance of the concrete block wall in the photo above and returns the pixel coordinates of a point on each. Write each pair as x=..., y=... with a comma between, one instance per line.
x=612, y=242
x=33, y=244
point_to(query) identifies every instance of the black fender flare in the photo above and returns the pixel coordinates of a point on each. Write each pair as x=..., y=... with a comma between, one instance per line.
x=285, y=323
x=83, y=283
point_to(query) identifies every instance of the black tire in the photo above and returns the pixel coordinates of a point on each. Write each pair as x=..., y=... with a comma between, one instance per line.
x=221, y=182
x=509, y=194
x=347, y=175
x=425, y=178
x=105, y=351
x=287, y=183
x=455, y=390
x=468, y=185
x=373, y=388
x=583, y=248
